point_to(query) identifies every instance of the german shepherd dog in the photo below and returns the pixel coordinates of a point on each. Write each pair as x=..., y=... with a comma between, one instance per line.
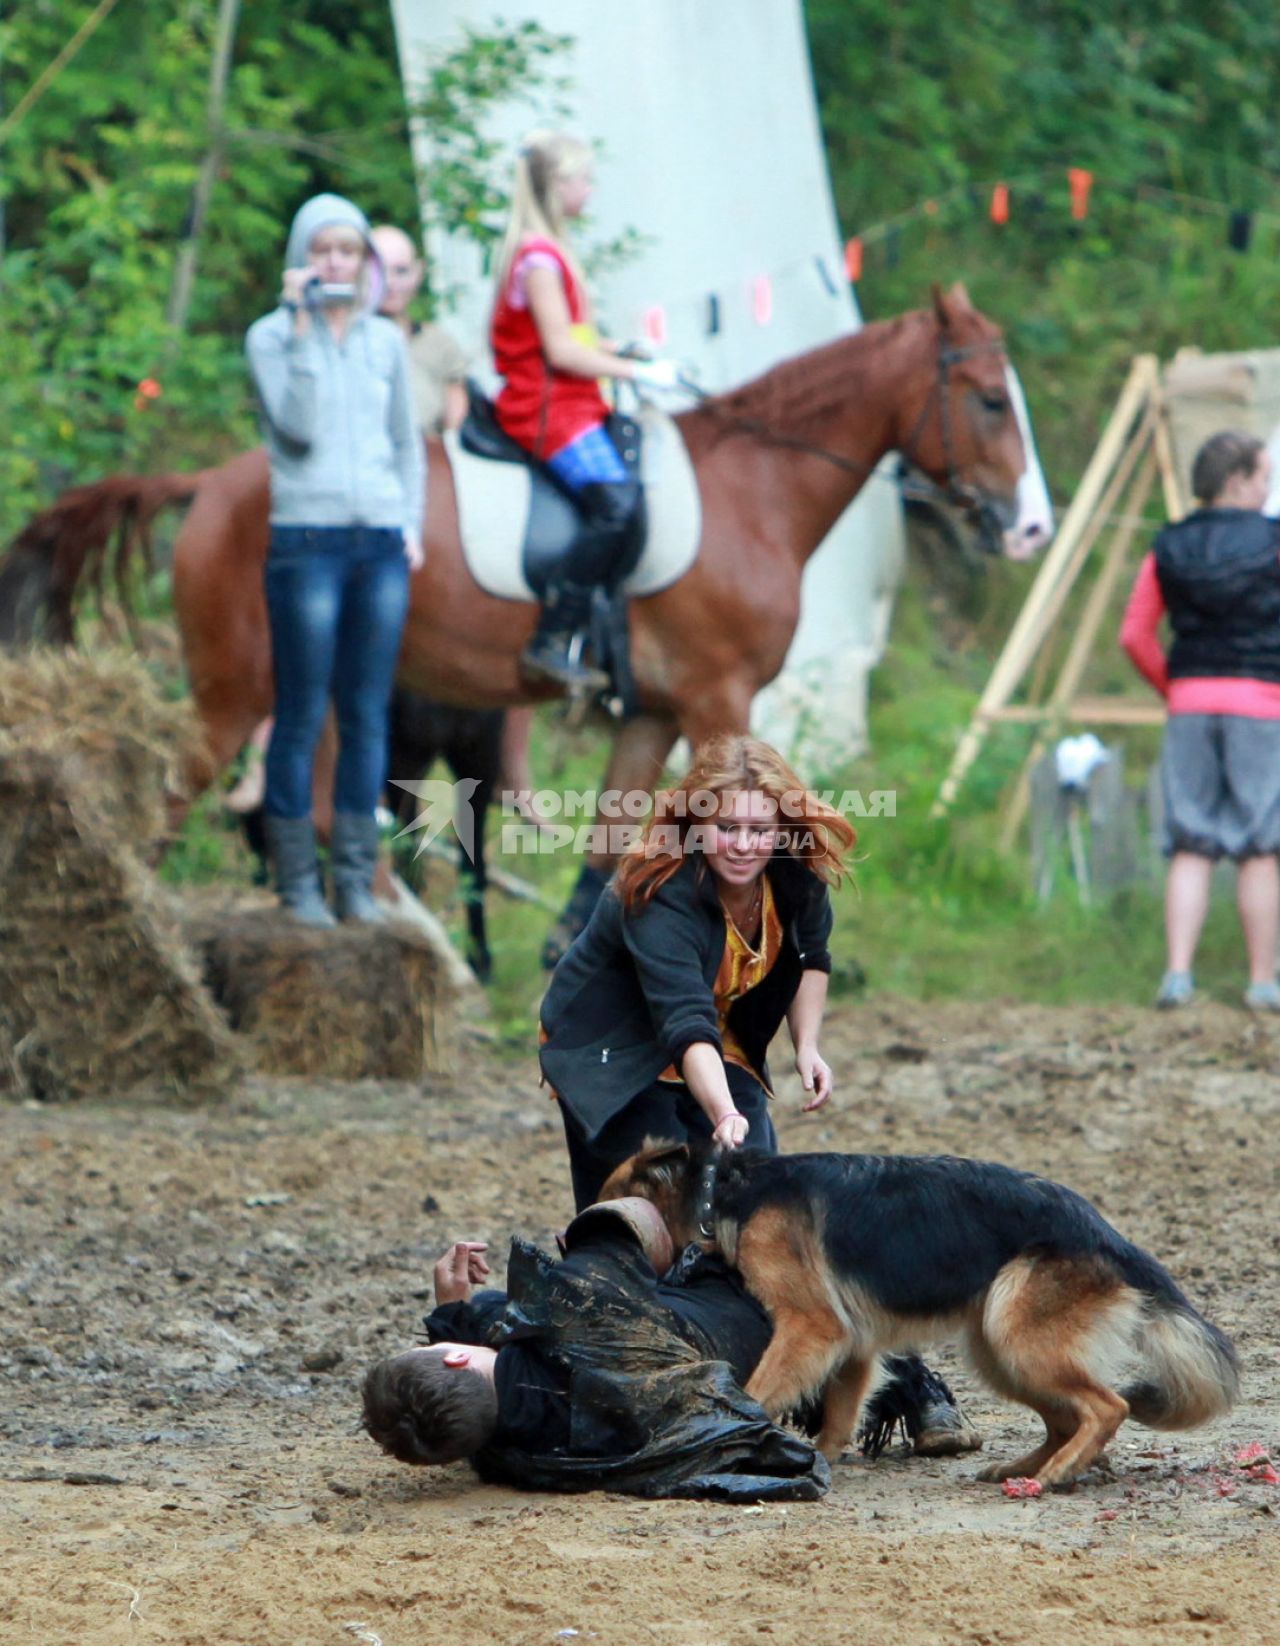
x=857, y=1255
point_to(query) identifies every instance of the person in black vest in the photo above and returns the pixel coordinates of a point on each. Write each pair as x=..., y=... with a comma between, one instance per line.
x=1217, y=575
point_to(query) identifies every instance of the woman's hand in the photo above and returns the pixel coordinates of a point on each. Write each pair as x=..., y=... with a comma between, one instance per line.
x=731, y=1130
x=414, y=552
x=462, y=1267
x=815, y=1076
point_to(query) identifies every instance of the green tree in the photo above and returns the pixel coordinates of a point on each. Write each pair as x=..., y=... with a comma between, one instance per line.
x=97, y=180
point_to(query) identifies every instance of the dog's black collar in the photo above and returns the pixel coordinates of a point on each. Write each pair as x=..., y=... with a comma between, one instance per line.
x=706, y=1194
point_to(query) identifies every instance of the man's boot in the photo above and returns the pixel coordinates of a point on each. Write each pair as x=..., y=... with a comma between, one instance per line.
x=555, y=651
x=291, y=845
x=916, y=1399
x=353, y=859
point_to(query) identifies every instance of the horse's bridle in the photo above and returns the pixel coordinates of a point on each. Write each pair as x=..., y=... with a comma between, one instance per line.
x=919, y=487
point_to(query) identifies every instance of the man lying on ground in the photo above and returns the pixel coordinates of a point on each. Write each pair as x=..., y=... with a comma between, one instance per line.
x=594, y=1373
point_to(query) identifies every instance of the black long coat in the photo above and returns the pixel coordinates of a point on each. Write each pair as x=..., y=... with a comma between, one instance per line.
x=636, y=989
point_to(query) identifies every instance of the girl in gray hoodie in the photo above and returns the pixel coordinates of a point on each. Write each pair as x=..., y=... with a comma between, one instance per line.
x=347, y=504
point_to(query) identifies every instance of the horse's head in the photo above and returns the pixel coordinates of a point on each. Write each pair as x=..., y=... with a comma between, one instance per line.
x=967, y=428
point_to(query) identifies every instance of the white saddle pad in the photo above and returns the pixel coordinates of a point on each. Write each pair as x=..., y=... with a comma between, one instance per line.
x=493, y=509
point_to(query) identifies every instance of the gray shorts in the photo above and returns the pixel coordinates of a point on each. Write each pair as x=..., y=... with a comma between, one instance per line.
x=1221, y=779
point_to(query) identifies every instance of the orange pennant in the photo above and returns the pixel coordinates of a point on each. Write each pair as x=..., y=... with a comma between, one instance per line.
x=1000, y=203
x=1080, y=182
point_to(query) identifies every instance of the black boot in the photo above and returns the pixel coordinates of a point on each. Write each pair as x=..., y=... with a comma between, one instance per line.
x=353, y=857
x=917, y=1399
x=291, y=844
x=555, y=652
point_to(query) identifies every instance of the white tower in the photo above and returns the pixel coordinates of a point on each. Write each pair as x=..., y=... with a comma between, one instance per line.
x=710, y=150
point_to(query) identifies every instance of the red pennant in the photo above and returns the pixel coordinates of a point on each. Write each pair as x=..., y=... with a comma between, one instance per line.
x=853, y=258
x=655, y=324
x=1080, y=182
x=1000, y=203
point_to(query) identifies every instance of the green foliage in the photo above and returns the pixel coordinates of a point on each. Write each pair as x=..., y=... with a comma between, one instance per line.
x=1151, y=95
x=97, y=182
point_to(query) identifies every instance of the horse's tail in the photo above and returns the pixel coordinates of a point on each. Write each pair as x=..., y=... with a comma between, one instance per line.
x=70, y=543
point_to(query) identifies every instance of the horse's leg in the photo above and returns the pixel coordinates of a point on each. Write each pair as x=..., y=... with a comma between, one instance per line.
x=640, y=749
x=478, y=753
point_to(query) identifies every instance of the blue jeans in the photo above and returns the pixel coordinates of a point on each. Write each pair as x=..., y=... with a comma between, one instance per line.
x=589, y=459
x=336, y=599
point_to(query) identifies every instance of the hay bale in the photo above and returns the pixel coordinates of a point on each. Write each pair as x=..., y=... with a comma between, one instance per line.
x=98, y=993
x=356, y=1003
x=132, y=746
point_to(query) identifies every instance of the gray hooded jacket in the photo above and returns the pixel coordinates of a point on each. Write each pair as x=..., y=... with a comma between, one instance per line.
x=338, y=419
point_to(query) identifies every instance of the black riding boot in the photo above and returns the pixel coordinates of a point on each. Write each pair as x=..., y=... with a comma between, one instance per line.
x=555, y=652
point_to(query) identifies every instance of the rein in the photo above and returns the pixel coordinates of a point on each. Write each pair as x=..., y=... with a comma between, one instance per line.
x=954, y=490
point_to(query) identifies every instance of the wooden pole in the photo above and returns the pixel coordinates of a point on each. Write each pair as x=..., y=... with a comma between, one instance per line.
x=184, y=271
x=1058, y=572
x=1062, y=698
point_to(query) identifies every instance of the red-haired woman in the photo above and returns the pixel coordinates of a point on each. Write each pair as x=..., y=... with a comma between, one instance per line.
x=714, y=930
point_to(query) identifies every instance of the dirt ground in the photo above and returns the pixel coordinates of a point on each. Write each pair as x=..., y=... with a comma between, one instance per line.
x=187, y=1301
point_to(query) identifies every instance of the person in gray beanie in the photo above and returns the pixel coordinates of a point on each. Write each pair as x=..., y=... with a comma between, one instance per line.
x=348, y=494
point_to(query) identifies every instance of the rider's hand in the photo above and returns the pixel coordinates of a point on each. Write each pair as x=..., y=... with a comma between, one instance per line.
x=815, y=1076
x=731, y=1130
x=656, y=374
x=462, y=1267
x=414, y=552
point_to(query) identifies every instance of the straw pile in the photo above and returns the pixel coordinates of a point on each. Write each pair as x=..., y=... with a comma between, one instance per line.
x=98, y=994
x=361, y=1002
x=130, y=745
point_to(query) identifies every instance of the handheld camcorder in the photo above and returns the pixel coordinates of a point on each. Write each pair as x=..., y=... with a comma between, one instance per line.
x=323, y=294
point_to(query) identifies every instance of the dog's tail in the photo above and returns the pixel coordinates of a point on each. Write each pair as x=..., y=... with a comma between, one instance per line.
x=1189, y=1372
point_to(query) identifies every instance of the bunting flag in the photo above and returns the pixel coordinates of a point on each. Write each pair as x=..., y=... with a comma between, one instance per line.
x=1038, y=196
x=1079, y=182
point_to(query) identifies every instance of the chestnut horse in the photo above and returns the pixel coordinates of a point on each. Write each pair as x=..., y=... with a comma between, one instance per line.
x=777, y=463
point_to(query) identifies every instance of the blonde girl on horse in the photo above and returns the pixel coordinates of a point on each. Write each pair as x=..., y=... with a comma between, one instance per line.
x=547, y=351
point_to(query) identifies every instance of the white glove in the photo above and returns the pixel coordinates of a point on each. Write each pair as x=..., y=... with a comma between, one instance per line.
x=656, y=374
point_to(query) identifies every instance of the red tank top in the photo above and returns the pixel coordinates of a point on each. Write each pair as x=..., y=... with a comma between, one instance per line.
x=540, y=408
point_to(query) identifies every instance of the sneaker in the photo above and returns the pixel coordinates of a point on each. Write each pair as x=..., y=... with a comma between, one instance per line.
x=1263, y=997
x=1176, y=989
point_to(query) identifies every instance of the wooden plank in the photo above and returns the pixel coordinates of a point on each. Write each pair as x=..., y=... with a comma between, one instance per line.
x=1119, y=447
x=1083, y=641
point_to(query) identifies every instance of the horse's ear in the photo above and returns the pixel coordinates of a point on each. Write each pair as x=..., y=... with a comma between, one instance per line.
x=948, y=306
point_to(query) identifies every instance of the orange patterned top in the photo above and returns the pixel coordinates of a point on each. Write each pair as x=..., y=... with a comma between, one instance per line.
x=741, y=968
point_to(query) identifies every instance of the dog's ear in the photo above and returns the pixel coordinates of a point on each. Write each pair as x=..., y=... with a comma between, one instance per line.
x=661, y=1162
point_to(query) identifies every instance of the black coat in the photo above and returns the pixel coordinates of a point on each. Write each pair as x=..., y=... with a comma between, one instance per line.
x=636, y=989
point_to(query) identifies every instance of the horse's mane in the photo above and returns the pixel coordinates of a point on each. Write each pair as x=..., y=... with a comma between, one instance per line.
x=800, y=393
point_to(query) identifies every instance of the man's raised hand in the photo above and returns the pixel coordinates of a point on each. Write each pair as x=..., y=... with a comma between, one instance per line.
x=462, y=1267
